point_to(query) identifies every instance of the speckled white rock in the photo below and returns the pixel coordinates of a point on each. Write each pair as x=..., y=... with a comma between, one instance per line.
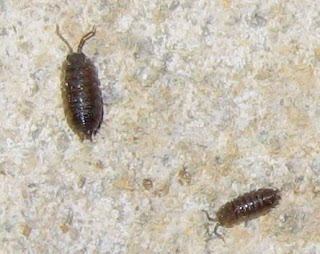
x=206, y=99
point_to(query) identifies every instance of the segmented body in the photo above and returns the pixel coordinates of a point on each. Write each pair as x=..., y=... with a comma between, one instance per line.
x=81, y=92
x=245, y=207
x=248, y=206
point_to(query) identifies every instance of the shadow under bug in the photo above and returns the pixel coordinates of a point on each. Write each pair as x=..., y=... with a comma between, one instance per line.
x=81, y=94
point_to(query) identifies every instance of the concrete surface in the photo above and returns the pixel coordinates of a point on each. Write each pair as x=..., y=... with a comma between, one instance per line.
x=205, y=100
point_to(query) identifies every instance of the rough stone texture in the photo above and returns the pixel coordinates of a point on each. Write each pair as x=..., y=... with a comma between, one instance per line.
x=206, y=99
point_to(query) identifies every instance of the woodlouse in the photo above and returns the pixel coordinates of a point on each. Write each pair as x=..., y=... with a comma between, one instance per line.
x=81, y=92
x=245, y=207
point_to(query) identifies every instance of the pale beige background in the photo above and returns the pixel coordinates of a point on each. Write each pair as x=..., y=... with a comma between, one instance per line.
x=208, y=99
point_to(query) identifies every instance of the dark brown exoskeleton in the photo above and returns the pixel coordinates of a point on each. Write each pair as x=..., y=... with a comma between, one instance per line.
x=246, y=207
x=81, y=92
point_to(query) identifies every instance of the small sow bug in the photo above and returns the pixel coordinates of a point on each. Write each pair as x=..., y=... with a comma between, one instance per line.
x=246, y=207
x=81, y=92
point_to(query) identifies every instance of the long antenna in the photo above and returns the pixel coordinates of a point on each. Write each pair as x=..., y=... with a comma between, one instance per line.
x=86, y=37
x=63, y=39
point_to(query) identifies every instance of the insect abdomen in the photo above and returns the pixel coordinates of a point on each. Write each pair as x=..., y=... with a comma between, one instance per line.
x=248, y=206
x=80, y=90
x=83, y=99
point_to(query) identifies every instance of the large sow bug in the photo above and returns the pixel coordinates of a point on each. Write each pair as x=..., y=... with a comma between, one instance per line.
x=243, y=208
x=81, y=92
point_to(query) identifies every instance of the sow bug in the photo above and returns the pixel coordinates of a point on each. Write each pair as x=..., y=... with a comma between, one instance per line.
x=81, y=92
x=243, y=208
